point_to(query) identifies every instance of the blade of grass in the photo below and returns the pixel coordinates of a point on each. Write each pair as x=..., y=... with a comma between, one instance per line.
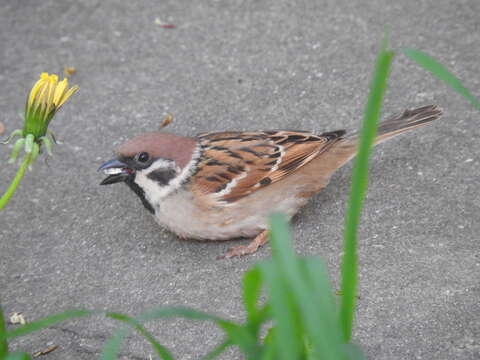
x=49, y=321
x=441, y=72
x=284, y=313
x=184, y=312
x=218, y=350
x=112, y=346
x=3, y=335
x=161, y=350
x=354, y=352
x=244, y=339
x=359, y=188
x=238, y=335
x=289, y=268
x=264, y=314
x=322, y=296
x=17, y=356
x=270, y=351
x=252, y=286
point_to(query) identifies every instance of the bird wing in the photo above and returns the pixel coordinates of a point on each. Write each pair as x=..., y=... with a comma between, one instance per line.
x=235, y=164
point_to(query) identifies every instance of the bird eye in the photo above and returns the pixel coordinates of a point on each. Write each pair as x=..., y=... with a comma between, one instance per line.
x=143, y=157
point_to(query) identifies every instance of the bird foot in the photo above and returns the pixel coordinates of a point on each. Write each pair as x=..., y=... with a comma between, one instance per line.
x=241, y=250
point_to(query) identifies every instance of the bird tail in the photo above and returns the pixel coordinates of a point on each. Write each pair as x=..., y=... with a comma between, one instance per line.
x=345, y=148
x=409, y=120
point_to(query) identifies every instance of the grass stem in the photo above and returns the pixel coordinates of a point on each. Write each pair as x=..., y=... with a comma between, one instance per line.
x=349, y=271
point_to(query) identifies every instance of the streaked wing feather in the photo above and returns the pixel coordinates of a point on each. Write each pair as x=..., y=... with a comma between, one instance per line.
x=235, y=164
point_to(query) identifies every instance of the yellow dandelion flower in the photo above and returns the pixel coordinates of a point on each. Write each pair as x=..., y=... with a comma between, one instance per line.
x=46, y=98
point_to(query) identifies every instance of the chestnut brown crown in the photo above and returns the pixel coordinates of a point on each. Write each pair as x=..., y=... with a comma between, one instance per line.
x=160, y=145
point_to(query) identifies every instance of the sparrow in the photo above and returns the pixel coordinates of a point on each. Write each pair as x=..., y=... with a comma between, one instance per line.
x=223, y=185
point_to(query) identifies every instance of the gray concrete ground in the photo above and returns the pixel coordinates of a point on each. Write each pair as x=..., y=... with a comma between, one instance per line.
x=67, y=242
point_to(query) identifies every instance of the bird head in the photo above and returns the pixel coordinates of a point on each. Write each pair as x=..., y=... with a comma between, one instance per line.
x=153, y=165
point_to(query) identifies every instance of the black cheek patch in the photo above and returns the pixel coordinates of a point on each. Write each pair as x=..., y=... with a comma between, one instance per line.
x=162, y=176
x=141, y=194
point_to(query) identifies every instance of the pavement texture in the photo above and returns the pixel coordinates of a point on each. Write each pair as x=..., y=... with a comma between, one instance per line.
x=67, y=243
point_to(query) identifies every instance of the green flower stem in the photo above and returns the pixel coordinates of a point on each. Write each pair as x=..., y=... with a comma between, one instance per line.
x=16, y=181
x=3, y=336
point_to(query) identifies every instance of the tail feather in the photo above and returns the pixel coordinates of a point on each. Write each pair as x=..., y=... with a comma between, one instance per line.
x=409, y=120
x=344, y=150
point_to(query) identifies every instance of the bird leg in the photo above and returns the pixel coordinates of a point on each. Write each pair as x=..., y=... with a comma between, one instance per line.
x=260, y=240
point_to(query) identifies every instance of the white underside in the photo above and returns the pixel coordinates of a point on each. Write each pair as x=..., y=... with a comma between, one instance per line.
x=245, y=218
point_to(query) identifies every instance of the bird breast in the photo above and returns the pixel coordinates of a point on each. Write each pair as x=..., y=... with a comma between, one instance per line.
x=182, y=214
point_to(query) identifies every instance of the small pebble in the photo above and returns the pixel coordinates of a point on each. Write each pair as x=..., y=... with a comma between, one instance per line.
x=17, y=318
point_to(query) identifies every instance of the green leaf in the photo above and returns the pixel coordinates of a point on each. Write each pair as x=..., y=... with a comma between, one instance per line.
x=285, y=314
x=3, y=335
x=298, y=284
x=252, y=286
x=269, y=349
x=354, y=352
x=239, y=335
x=358, y=189
x=162, y=351
x=218, y=350
x=48, y=321
x=285, y=310
x=244, y=339
x=112, y=346
x=270, y=336
x=169, y=312
x=18, y=356
x=270, y=352
x=325, y=337
x=264, y=314
x=441, y=72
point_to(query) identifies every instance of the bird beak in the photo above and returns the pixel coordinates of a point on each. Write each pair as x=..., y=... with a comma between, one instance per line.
x=116, y=170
